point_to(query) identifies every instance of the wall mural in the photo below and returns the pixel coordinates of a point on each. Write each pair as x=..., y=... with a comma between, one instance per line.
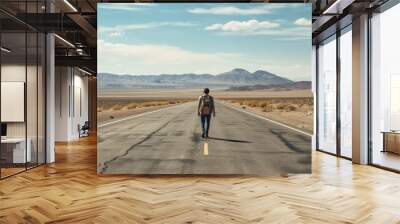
x=204, y=88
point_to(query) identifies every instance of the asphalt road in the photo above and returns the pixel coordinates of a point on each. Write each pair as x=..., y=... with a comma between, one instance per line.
x=169, y=141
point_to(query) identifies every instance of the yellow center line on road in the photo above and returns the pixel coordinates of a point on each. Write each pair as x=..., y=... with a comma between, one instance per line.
x=205, y=149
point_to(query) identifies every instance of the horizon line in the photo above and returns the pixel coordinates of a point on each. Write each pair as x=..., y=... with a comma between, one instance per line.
x=194, y=73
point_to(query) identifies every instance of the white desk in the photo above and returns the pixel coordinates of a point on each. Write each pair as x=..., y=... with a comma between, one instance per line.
x=19, y=155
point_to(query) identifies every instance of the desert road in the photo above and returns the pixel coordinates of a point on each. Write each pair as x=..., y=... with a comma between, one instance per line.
x=168, y=141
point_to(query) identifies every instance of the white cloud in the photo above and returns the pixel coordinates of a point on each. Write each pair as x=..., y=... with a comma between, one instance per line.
x=250, y=25
x=302, y=22
x=132, y=7
x=135, y=59
x=142, y=3
x=216, y=26
x=263, y=28
x=230, y=10
x=116, y=34
x=127, y=27
x=287, y=32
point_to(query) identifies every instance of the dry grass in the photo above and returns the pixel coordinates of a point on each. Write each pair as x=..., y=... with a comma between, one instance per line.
x=117, y=105
x=297, y=112
x=121, y=100
x=290, y=107
x=280, y=104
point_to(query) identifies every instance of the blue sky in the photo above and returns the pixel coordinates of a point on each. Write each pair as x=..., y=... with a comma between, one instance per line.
x=145, y=39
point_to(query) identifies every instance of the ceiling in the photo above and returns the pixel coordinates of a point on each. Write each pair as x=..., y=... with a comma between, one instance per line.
x=75, y=21
x=331, y=15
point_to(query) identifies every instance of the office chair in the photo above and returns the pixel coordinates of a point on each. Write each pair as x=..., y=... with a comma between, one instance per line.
x=84, y=130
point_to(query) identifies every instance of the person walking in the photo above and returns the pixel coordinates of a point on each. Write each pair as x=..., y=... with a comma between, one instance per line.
x=205, y=109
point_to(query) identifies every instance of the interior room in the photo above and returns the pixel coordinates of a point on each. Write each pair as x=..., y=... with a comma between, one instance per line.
x=28, y=57
x=22, y=99
x=48, y=119
x=385, y=88
x=71, y=102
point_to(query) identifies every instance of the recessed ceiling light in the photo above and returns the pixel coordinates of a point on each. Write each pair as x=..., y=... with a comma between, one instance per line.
x=5, y=50
x=64, y=40
x=338, y=6
x=84, y=71
x=70, y=5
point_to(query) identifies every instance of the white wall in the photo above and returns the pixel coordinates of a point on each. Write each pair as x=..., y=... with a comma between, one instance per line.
x=62, y=82
x=13, y=73
x=70, y=83
x=80, y=111
x=33, y=126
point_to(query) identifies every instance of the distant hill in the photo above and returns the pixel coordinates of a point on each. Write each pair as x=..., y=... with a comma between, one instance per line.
x=236, y=77
x=276, y=87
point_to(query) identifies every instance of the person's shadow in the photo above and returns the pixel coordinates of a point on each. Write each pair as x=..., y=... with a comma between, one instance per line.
x=228, y=140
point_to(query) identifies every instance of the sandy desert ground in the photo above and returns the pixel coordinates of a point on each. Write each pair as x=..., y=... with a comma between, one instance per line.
x=194, y=94
x=113, y=108
x=294, y=108
x=295, y=112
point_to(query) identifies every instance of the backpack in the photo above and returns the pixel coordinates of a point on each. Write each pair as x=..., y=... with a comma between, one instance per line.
x=205, y=105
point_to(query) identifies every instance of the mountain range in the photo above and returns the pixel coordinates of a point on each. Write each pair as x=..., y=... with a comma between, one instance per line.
x=277, y=87
x=235, y=77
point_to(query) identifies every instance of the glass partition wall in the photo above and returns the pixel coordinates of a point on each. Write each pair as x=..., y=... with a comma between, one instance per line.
x=334, y=84
x=327, y=95
x=334, y=105
x=346, y=94
x=385, y=89
x=13, y=89
x=22, y=77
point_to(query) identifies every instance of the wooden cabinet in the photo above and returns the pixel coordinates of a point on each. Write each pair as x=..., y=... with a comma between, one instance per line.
x=391, y=142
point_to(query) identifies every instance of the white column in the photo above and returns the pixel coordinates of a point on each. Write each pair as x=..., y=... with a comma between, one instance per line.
x=50, y=99
x=360, y=90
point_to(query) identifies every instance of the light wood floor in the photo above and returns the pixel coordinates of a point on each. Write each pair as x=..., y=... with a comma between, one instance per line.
x=70, y=191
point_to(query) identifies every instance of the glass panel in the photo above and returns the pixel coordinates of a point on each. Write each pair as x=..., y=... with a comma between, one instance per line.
x=23, y=90
x=32, y=88
x=13, y=87
x=31, y=98
x=327, y=96
x=386, y=89
x=314, y=84
x=2, y=161
x=346, y=93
